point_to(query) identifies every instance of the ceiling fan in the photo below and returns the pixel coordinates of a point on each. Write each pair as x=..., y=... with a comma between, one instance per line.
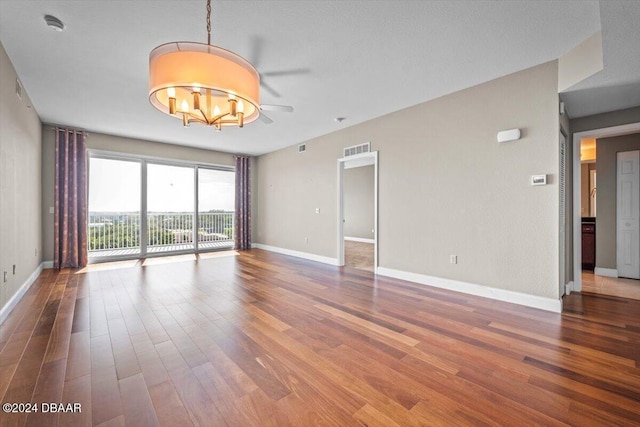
x=268, y=107
x=256, y=52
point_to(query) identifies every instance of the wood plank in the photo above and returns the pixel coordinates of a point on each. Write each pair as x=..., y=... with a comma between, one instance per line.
x=106, y=402
x=79, y=355
x=77, y=390
x=368, y=326
x=48, y=390
x=371, y=417
x=28, y=309
x=195, y=399
x=25, y=377
x=136, y=402
x=170, y=410
x=231, y=408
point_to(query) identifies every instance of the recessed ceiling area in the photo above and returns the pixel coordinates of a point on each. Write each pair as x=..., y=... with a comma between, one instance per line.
x=328, y=59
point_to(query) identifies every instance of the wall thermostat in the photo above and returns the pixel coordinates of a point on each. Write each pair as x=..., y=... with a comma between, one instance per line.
x=538, y=179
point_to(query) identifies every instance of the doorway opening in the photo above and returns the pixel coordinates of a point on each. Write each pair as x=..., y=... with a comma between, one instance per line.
x=584, y=203
x=358, y=211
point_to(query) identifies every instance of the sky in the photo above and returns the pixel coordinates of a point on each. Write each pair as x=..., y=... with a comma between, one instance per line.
x=114, y=186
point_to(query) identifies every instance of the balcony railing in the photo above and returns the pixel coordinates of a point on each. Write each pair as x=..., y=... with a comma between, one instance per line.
x=118, y=234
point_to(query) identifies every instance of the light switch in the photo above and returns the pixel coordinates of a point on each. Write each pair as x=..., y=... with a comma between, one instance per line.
x=317, y=210
x=51, y=210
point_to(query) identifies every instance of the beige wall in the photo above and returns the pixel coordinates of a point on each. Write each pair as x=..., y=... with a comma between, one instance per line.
x=445, y=186
x=605, y=120
x=606, y=165
x=358, y=190
x=115, y=144
x=20, y=150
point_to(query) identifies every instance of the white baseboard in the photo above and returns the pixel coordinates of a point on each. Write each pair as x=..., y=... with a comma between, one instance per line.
x=15, y=299
x=359, y=239
x=534, y=301
x=47, y=264
x=568, y=288
x=298, y=254
x=608, y=272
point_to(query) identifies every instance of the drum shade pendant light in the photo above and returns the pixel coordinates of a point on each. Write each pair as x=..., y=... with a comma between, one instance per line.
x=201, y=83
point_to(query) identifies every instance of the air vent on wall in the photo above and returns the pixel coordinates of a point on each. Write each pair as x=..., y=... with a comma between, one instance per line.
x=302, y=148
x=357, y=149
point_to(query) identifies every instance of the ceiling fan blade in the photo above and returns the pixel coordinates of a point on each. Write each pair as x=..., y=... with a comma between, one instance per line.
x=290, y=72
x=265, y=119
x=257, y=46
x=268, y=88
x=282, y=108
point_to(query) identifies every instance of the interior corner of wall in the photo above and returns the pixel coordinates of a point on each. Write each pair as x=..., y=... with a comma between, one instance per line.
x=581, y=62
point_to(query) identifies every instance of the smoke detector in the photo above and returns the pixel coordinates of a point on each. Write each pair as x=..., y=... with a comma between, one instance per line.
x=54, y=23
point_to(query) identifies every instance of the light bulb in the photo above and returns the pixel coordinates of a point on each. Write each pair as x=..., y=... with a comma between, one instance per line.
x=171, y=91
x=240, y=107
x=196, y=89
x=216, y=111
x=232, y=95
x=185, y=106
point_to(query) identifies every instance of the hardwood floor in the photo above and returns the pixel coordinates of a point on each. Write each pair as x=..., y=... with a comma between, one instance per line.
x=612, y=286
x=265, y=339
x=359, y=255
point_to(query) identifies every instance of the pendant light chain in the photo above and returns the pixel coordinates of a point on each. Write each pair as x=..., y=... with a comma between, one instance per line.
x=209, y=22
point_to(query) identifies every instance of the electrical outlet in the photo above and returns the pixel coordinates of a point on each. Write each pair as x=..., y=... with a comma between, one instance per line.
x=318, y=210
x=306, y=240
x=453, y=259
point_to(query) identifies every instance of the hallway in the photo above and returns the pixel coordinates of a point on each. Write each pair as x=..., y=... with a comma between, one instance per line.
x=614, y=286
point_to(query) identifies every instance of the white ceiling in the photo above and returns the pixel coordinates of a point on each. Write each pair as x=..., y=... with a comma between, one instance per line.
x=617, y=86
x=353, y=59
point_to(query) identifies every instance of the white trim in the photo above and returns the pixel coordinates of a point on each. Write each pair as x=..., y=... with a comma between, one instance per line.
x=340, y=221
x=47, y=264
x=577, y=216
x=359, y=239
x=15, y=298
x=132, y=157
x=568, y=288
x=607, y=272
x=297, y=254
x=562, y=229
x=359, y=162
x=534, y=301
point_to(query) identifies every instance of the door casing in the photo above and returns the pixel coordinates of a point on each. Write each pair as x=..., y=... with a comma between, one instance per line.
x=341, y=162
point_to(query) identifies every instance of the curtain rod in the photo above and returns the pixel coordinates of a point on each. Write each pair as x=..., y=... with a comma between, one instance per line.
x=71, y=130
x=56, y=127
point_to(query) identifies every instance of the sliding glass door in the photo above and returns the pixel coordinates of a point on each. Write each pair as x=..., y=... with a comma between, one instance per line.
x=114, y=208
x=216, y=199
x=140, y=208
x=170, y=203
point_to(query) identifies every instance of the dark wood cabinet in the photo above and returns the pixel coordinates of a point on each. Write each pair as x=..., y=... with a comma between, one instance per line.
x=588, y=246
